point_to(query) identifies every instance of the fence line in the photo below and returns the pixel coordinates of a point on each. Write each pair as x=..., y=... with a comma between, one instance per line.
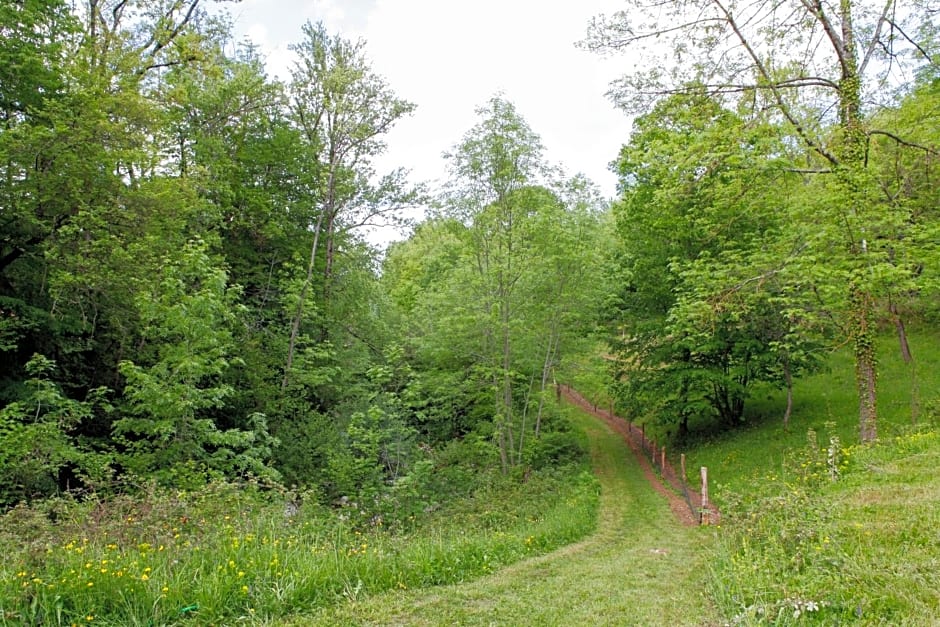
x=705, y=512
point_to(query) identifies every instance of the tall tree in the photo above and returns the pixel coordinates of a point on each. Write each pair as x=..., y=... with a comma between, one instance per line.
x=813, y=64
x=343, y=109
x=523, y=271
x=493, y=166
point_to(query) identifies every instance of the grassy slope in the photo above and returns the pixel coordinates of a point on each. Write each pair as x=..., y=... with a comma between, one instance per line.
x=736, y=459
x=861, y=549
x=639, y=568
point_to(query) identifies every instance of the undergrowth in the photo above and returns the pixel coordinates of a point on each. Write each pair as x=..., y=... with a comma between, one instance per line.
x=241, y=553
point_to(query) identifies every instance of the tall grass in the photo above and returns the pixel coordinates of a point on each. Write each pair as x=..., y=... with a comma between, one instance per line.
x=238, y=553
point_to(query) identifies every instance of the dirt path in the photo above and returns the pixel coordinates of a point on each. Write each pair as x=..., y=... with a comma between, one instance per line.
x=640, y=567
x=677, y=504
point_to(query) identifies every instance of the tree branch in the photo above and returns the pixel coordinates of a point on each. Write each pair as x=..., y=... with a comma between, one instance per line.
x=910, y=144
x=160, y=44
x=808, y=170
x=816, y=10
x=917, y=46
x=633, y=38
x=876, y=37
x=765, y=74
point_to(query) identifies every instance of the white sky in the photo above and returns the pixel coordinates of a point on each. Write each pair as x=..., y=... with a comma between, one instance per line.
x=451, y=56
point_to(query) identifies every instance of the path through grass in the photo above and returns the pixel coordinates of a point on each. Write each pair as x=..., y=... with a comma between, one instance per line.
x=641, y=567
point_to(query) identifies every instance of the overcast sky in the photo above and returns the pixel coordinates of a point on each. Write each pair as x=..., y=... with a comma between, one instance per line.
x=451, y=56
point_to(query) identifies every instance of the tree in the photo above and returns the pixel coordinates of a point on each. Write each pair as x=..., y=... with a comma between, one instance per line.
x=188, y=321
x=343, y=109
x=492, y=167
x=705, y=192
x=516, y=246
x=813, y=64
x=81, y=181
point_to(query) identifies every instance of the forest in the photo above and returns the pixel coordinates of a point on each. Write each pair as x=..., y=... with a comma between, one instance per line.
x=190, y=310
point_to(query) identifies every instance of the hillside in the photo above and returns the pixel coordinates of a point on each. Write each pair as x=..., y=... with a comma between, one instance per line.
x=819, y=529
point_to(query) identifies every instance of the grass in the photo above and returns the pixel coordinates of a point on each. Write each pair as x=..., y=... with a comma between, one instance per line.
x=230, y=554
x=862, y=548
x=818, y=529
x=639, y=568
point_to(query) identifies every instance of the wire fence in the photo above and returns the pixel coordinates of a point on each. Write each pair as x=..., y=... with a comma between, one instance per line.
x=697, y=500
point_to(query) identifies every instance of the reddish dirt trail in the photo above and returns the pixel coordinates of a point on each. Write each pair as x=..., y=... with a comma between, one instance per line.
x=677, y=504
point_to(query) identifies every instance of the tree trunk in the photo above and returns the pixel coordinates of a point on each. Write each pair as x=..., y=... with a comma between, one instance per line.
x=507, y=385
x=330, y=234
x=902, y=334
x=865, y=367
x=788, y=379
x=851, y=172
x=298, y=315
x=505, y=305
x=525, y=416
x=868, y=415
x=550, y=352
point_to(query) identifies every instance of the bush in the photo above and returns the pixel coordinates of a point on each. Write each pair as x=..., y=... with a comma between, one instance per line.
x=555, y=448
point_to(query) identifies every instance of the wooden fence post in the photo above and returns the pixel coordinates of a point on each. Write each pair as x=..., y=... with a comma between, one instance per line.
x=682, y=464
x=705, y=512
x=662, y=460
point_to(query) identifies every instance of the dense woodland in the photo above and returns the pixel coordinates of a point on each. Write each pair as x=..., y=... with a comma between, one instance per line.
x=186, y=294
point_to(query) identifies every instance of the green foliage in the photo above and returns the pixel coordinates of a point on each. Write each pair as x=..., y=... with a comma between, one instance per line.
x=373, y=451
x=494, y=290
x=37, y=443
x=851, y=241
x=188, y=317
x=305, y=440
x=705, y=308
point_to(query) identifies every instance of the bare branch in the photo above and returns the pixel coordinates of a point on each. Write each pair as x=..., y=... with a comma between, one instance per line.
x=808, y=170
x=765, y=74
x=160, y=44
x=904, y=142
x=917, y=46
x=763, y=277
x=632, y=37
x=154, y=66
x=876, y=37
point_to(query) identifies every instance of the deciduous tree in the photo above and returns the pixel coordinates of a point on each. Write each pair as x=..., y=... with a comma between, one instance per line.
x=814, y=65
